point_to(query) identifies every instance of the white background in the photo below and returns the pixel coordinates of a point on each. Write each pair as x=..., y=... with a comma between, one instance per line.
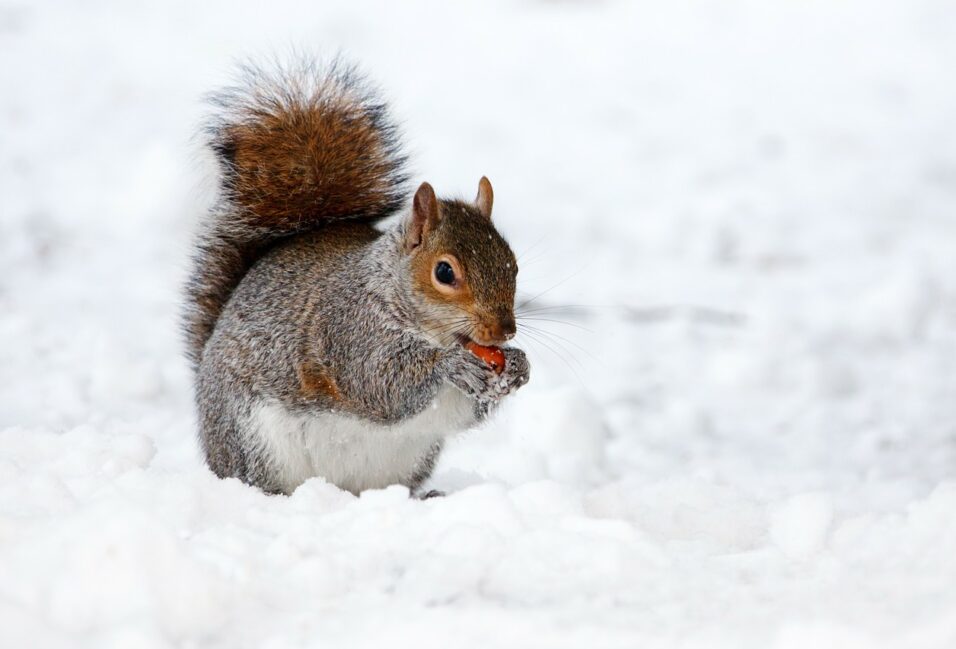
x=745, y=435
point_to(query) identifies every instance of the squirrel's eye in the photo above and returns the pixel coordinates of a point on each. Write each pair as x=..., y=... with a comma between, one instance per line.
x=444, y=273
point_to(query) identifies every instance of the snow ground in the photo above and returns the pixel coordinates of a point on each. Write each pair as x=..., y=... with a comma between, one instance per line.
x=747, y=437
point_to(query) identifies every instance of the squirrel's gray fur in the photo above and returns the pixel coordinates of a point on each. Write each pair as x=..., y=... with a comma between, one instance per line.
x=323, y=346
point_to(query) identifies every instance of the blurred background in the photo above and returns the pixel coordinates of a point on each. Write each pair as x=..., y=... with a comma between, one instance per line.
x=736, y=222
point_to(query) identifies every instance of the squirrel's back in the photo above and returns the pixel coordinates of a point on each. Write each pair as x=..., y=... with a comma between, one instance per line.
x=297, y=147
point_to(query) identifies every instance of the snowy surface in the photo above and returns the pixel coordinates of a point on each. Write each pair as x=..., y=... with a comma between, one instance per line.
x=746, y=436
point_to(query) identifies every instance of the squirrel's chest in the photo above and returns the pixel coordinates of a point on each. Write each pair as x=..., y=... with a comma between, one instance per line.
x=352, y=453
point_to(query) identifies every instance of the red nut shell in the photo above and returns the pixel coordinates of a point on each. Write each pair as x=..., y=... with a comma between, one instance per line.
x=493, y=356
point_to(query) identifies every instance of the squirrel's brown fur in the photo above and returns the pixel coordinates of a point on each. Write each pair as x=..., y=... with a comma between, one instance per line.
x=298, y=147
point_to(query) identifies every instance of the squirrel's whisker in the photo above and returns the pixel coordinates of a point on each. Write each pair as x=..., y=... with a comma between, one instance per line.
x=558, y=338
x=535, y=340
x=524, y=318
x=548, y=290
x=548, y=337
x=559, y=307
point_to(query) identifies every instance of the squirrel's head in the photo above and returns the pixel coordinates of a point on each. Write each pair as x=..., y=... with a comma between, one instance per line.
x=463, y=271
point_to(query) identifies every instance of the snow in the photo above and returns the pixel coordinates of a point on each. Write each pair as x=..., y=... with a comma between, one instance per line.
x=799, y=526
x=742, y=216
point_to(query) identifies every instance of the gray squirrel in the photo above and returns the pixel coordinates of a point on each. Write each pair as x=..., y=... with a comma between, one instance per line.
x=322, y=345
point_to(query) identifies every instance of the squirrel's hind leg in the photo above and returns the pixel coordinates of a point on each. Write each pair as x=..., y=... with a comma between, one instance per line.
x=423, y=471
x=225, y=440
x=219, y=435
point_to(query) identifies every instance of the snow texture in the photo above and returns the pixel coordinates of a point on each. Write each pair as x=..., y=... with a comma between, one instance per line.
x=741, y=221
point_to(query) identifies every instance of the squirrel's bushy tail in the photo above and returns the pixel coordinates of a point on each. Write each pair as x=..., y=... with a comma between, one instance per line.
x=298, y=146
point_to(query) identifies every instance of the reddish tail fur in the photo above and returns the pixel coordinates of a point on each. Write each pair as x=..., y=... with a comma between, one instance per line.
x=298, y=147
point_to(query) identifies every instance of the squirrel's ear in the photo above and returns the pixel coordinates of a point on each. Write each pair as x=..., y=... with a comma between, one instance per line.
x=485, y=198
x=424, y=216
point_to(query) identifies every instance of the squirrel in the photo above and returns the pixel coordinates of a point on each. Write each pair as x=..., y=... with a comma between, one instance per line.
x=321, y=344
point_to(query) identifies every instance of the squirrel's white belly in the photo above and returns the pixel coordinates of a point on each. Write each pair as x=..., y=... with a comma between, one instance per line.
x=352, y=453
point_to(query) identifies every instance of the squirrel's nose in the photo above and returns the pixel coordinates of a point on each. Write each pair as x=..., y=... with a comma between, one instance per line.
x=508, y=326
x=496, y=330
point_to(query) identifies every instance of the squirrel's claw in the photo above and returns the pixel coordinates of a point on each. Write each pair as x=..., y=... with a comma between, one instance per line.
x=517, y=370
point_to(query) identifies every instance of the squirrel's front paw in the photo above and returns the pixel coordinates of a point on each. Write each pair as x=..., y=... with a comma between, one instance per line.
x=473, y=376
x=517, y=372
x=477, y=379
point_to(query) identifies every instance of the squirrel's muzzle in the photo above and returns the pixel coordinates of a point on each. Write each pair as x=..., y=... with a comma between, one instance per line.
x=496, y=330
